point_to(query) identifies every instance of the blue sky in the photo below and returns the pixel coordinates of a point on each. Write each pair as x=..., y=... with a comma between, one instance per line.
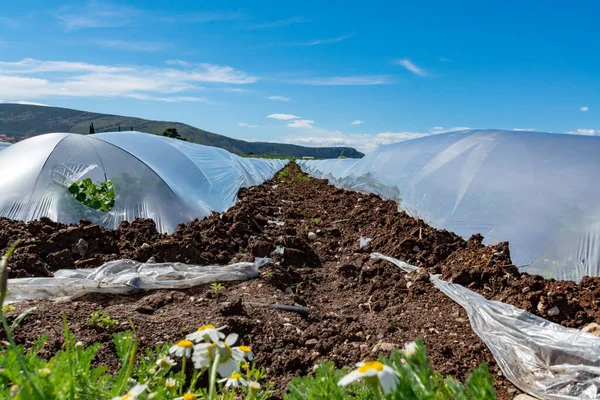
x=311, y=72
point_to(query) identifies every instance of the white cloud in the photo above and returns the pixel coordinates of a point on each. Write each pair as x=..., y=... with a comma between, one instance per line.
x=170, y=99
x=9, y=22
x=362, y=142
x=34, y=79
x=313, y=42
x=279, y=23
x=178, y=62
x=95, y=14
x=587, y=132
x=523, y=129
x=28, y=103
x=282, y=117
x=440, y=129
x=279, y=98
x=584, y=108
x=412, y=67
x=301, y=123
x=30, y=65
x=344, y=80
x=132, y=45
x=357, y=122
x=202, y=17
x=247, y=125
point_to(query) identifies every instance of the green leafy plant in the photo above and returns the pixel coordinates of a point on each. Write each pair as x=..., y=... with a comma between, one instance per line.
x=216, y=287
x=414, y=380
x=99, y=197
x=101, y=320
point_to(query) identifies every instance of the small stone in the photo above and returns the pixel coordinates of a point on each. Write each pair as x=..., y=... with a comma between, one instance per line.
x=420, y=274
x=312, y=236
x=289, y=290
x=417, y=249
x=541, y=307
x=387, y=347
x=80, y=248
x=526, y=289
x=311, y=343
x=192, y=299
x=360, y=200
x=554, y=311
x=409, y=284
x=511, y=391
x=145, y=246
x=592, y=328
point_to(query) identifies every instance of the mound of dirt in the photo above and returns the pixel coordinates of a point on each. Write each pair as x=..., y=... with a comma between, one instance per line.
x=359, y=307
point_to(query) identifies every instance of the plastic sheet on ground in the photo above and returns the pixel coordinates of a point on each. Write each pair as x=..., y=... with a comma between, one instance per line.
x=168, y=180
x=541, y=358
x=534, y=190
x=127, y=277
x=3, y=146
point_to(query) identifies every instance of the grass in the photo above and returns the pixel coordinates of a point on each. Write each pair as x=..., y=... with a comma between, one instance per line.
x=101, y=321
x=285, y=175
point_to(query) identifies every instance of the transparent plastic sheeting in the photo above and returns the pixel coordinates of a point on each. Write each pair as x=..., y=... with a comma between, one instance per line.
x=168, y=180
x=535, y=190
x=127, y=277
x=3, y=146
x=543, y=359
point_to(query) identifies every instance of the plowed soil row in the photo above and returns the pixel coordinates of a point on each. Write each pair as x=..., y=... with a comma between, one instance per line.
x=359, y=307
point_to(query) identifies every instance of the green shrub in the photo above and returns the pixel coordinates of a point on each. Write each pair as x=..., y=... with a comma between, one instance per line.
x=99, y=197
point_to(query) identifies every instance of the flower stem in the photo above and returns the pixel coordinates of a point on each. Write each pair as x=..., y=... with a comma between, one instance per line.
x=213, y=376
x=373, y=382
x=182, y=374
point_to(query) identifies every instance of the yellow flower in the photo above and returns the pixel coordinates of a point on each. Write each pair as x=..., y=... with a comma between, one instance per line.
x=133, y=393
x=184, y=347
x=254, y=386
x=410, y=349
x=373, y=372
x=234, y=380
x=205, y=354
x=165, y=362
x=188, y=396
x=44, y=372
x=207, y=333
x=241, y=353
x=170, y=383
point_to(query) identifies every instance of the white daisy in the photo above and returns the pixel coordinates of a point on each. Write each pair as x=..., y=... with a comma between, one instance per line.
x=373, y=370
x=254, y=386
x=410, y=349
x=133, y=393
x=234, y=380
x=241, y=353
x=170, y=383
x=165, y=362
x=207, y=333
x=187, y=396
x=205, y=353
x=184, y=347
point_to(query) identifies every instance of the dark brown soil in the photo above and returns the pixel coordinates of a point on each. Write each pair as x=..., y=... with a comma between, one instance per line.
x=359, y=307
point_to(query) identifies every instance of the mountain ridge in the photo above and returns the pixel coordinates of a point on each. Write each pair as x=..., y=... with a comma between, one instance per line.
x=21, y=120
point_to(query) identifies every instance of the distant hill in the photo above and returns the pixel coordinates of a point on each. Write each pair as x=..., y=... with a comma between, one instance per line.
x=17, y=120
